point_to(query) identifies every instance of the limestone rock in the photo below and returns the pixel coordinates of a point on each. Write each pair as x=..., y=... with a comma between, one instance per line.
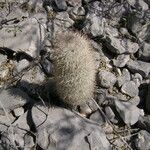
x=107, y=79
x=130, y=88
x=128, y=112
x=140, y=67
x=12, y=98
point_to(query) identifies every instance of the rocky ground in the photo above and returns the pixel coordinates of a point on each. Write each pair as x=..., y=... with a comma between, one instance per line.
x=31, y=116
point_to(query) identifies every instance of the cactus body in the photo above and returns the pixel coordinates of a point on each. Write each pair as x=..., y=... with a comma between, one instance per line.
x=74, y=68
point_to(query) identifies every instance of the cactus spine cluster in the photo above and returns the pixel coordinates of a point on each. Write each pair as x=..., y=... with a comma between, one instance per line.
x=74, y=68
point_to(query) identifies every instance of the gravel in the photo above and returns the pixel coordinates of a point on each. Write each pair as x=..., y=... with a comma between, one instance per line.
x=120, y=46
x=22, y=65
x=144, y=52
x=121, y=60
x=31, y=113
x=144, y=123
x=142, y=140
x=61, y=5
x=13, y=98
x=97, y=117
x=130, y=88
x=68, y=129
x=18, y=111
x=143, y=68
x=106, y=78
x=128, y=112
x=125, y=77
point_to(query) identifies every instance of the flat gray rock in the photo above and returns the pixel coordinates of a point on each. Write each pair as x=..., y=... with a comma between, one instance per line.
x=137, y=78
x=140, y=4
x=135, y=100
x=144, y=32
x=28, y=142
x=144, y=52
x=22, y=65
x=34, y=75
x=101, y=96
x=74, y=2
x=32, y=80
x=97, y=117
x=125, y=77
x=3, y=58
x=9, y=141
x=120, y=46
x=106, y=78
x=121, y=96
x=95, y=25
x=128, y=112
x=6, y=121
x=121, y=60
x=144, y=123
x=142, y=140
x=77, y=13
x=110, y=114
x=66, y=130
x=23, y=122
x=12, y=98
x=61, y=5
x=140, y=67
x=138, y=23
x=95, y=142
x=130, y=88
x=62, y=22
x=26, y=36
x=18, y=111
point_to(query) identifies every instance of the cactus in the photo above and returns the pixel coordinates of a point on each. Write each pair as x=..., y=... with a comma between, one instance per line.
x=74, y=68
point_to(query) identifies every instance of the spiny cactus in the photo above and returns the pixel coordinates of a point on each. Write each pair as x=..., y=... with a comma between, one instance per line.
x=74, y=68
